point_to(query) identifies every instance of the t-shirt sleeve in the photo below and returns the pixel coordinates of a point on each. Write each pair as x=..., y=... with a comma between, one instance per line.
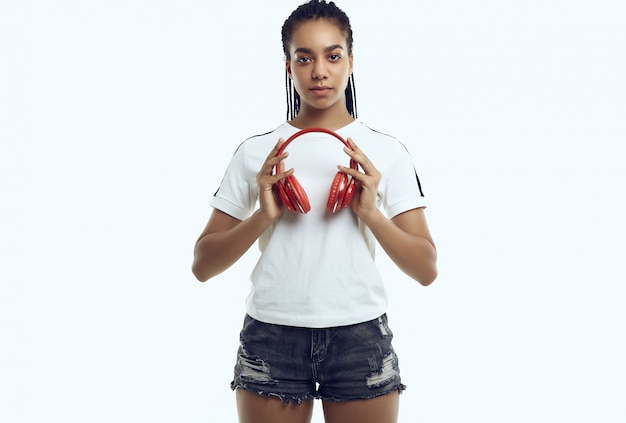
x=236, y=195
x=403, y=189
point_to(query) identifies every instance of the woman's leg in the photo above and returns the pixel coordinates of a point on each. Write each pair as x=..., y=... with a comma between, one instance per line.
x=383, y=409
x=253, y=408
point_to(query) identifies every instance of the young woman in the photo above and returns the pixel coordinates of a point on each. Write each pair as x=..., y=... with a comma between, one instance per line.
x=316, y=325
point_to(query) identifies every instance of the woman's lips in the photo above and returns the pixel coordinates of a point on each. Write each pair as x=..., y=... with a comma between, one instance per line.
x=320, y=91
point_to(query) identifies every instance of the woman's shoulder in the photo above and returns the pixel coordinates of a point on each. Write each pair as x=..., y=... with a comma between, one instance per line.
x=277, y=132
x=265, y=140
x=364, y=130
x=364, y=134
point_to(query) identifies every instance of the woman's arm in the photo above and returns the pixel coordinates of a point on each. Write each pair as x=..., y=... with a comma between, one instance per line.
x=407, y=241
x=225, y=239
x=405, y=238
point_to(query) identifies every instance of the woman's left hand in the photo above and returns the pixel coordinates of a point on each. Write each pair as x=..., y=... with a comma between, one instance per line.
x=405, y=237
x=366, y=189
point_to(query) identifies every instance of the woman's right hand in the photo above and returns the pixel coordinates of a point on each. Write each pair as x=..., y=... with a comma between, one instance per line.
x=225, y=239
x=271, y=206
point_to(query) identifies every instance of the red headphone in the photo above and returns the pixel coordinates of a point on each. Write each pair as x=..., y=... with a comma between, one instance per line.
x=292, y=194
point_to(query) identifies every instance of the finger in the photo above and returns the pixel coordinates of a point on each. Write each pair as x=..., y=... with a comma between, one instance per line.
x=273, y=162
x=352, y=143
x=277, y=171
x=281, y=167
x=280, y=142
x=355, y=173
x=360, y=157
x=274, y=151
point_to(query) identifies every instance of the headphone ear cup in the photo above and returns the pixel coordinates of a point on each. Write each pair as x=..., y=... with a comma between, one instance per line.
x=337, y=192
x=347, y=198
x=350, y=188
x=284, y=198
x=296, y=194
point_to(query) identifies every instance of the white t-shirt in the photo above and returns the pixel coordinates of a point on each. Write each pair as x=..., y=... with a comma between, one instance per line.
x=317, y=269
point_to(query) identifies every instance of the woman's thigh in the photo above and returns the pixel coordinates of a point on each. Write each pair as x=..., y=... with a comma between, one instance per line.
x=254, y=408
x=382, y=409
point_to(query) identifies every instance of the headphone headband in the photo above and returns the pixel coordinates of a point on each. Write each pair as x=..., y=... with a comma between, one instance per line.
x=306, y=131
x=353, y=164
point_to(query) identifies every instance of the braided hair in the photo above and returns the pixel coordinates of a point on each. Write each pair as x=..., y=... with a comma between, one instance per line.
x=313, y=10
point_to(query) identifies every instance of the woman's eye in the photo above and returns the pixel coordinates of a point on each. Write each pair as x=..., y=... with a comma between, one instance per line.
x=334, y=57
x=303, y=60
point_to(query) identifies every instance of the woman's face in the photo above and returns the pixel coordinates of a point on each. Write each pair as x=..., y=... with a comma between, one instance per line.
x=319, y=64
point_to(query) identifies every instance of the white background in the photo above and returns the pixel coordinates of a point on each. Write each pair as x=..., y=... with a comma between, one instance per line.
x=117, y=120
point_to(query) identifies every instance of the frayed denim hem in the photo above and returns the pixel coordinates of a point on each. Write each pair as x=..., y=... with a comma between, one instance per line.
x=400, y=388
x=285, y=398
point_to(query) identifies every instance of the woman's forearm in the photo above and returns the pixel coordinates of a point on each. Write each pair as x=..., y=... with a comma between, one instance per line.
x=414, y=254
x=217, y=251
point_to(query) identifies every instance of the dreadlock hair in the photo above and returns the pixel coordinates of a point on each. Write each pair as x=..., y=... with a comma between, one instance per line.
x=313, y=10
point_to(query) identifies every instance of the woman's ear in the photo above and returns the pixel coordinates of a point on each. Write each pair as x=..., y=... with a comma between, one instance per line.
x=288, y=68
x=351, y=63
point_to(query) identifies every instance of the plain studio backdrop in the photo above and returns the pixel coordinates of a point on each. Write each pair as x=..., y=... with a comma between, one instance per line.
x=117, y=121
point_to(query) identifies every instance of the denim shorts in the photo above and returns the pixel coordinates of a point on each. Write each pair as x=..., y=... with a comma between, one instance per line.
x=333, y=364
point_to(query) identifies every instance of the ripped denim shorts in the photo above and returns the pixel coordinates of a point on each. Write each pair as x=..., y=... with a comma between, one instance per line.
x=333, y=364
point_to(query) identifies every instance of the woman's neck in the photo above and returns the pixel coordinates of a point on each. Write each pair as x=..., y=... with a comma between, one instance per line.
x=309, y=117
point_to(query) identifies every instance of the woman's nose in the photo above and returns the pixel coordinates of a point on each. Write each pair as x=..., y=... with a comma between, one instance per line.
x=319, y=70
